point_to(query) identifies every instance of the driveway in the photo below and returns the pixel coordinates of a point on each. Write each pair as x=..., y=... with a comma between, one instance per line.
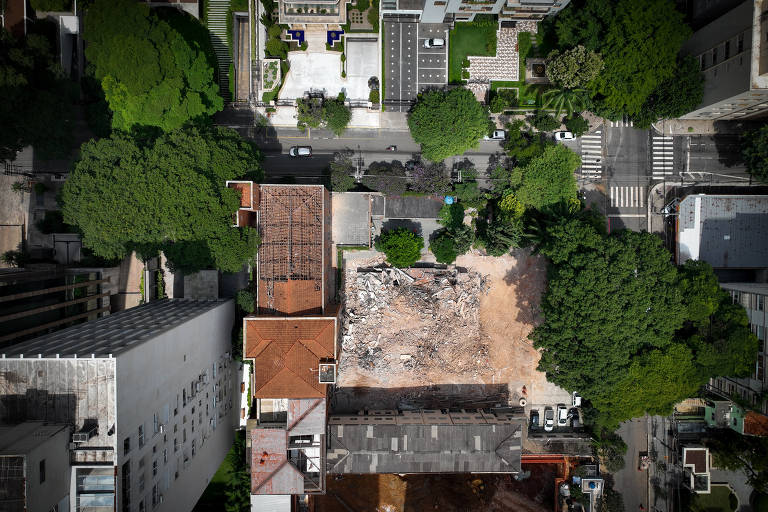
x=409, y=67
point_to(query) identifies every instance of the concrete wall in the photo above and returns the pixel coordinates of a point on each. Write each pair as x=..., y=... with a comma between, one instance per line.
x=154, y=378
x=55, y=489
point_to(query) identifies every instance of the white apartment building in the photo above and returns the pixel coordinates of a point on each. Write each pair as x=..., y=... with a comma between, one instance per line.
x=145, y=396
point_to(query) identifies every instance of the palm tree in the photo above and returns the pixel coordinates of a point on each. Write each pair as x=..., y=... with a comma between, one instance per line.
x=568, y=100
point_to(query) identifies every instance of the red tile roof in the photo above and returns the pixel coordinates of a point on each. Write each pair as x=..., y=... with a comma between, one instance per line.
x=755, y=424
x=287, y=353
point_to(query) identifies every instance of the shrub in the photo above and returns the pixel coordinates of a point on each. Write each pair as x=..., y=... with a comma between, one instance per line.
x=389, y=179
x=465, y=63
x=443, y=248
x=362, y=5
x=275, y=31
x=577, y=125
x=304, y=46
x=544, y=122
x=343, y=74
x=451, y=215
x=402, y=247
x=463, y=238
x=373, y=96
x=430, y=179
x=343, y=57
x=245, y=301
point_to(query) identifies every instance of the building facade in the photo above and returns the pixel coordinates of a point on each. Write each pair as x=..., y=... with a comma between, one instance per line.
x=439, y=11
x=732, y=52
x=146, y=395
x=753, y=296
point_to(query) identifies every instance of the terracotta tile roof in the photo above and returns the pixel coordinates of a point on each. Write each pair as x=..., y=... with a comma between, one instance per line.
x=287, y=353
x=755, y=424
x=246, y=194
x=291, y=297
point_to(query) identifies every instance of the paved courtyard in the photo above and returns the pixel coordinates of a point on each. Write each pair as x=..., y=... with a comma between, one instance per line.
x=409, y=67
x=320, y=70
x=504, y=66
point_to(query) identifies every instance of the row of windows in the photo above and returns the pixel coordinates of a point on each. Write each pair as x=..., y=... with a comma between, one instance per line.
x=722, y=52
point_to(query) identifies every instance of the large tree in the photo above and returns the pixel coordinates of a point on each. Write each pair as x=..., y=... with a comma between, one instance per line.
x=675, y=96
x=447, y=123
x=155, y=72
x=736, y=452
x=36, y=106
x=167, y=194
x=626, y=328
x=573, y=68
x=548, y=179
x=639, y=41
x=754, y=149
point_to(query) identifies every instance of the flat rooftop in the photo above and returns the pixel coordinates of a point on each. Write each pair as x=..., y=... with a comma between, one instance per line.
x=723, y=230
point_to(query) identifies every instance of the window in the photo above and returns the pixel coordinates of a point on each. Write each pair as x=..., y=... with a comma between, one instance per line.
x=154, y=468
x=761, y=302
x=714, y=56
x=126, y=445
x=193, y=447
x=184, y=435
x=155, y=496
x=141, y=436
x=142, y=506
x=175, y=444
x=727, y=51
x=127, y=486
x=184, y=397
x=141, y=482
x=141, y=462
x=155, y=423
x=42, y=471
x=740, y=43
x=165, y=455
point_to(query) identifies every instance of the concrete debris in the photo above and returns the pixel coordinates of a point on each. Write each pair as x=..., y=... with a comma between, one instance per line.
x=413, y=326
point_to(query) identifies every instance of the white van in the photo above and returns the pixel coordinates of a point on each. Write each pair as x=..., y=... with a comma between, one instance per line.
x=434, y=43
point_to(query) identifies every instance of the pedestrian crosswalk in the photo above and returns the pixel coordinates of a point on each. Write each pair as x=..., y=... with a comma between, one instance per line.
x=627, y=197
x=625, y=122
x=592, y=155
x=663, y=156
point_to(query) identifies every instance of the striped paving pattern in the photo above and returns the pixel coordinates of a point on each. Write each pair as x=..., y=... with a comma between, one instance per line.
x=217, y=30
x=592, y=155
x=625, y=122
x=627, y=197
x=662, y=157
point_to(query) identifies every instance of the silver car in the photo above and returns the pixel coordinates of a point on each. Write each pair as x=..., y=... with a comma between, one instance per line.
x=549, y=419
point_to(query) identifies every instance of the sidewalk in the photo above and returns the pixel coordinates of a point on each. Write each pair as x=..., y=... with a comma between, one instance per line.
x=700, y=127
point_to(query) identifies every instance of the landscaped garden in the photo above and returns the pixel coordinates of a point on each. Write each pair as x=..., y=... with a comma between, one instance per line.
x=528, y=95
x=721, y=499
x=477, y=38
x=271, y=74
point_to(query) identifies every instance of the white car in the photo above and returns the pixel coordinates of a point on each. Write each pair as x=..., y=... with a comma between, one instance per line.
x=496, y=135
x=562, y=415
x=434, y=43
x=549, y=419
x=564, y=136
x=576, y=399
x=300, y=151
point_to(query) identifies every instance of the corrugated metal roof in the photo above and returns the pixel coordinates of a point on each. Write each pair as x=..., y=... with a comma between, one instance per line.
x=724, y=231
x=414, y=448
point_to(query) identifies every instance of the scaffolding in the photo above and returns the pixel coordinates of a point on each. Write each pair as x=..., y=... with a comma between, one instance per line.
x=292, y=229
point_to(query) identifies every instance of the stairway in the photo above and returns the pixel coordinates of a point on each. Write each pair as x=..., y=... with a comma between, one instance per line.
x=217, y=30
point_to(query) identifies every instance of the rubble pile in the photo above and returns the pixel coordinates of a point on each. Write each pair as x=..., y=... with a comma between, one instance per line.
x=408, y=326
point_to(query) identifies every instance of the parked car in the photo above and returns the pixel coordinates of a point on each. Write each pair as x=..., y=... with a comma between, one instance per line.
x=300, y=151
x=576, y=399
x=562, y=415
x=434, y=43
x=549, y=419
x=496, y=135
x=534, y=418
x=564, y=136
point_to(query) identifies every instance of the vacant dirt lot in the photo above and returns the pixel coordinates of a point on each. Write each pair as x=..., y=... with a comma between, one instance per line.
x=428, y=339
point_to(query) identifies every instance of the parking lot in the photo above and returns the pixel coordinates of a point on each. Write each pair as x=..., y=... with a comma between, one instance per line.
x=409, y=66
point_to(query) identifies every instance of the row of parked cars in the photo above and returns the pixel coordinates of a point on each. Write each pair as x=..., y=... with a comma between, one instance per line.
x=562, y=416
x=502, y=134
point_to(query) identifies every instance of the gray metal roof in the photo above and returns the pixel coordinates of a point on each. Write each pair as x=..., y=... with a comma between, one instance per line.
x=724, y=231
x=114, y=334
x=417, y=448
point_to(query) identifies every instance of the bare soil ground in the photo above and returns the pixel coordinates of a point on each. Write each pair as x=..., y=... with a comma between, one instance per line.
x=447, y=493
x=453, y=338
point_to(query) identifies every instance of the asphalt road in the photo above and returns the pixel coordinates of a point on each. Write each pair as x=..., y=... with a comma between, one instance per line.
x=626, y=176
x=631, y=483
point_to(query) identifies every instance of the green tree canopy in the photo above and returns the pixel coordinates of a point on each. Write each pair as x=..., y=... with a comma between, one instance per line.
x=649, y=333
x=167, y=194
x=573, y=68
x=402, y=247
x=36, y=105
x=154, y=72
x=638, y=40
x=447, y=123
x=522, y=145
x=547, y=179
x=736, y=452
x=336, y=115
x=342, y=169
x=754, y=149
x=675, y=96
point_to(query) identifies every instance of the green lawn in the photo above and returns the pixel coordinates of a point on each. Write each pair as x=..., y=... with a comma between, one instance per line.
x=719, y=500
x=529, y=95
x=466, y=39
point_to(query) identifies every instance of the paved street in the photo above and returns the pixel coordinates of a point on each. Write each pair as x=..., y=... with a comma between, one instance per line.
x=631, y=483
x=625, y=176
